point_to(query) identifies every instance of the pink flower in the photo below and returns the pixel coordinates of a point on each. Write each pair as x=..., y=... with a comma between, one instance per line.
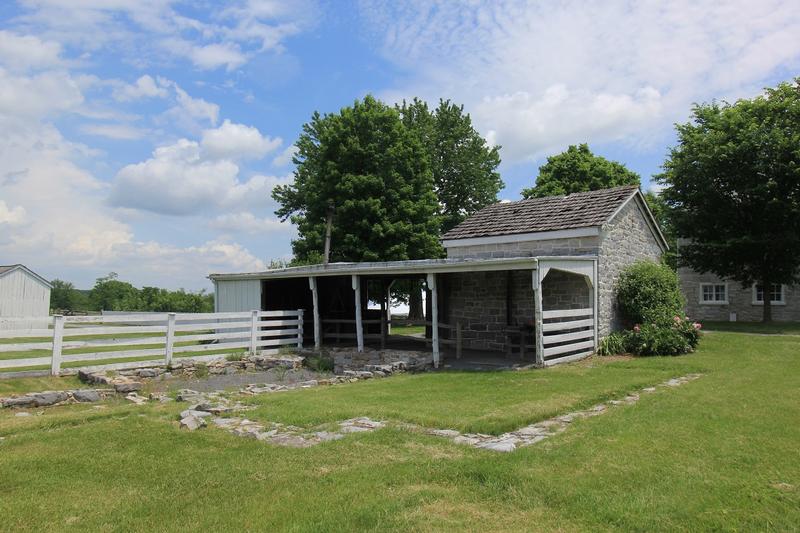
x=697, y=325
x=677, y=318
x=636, y=328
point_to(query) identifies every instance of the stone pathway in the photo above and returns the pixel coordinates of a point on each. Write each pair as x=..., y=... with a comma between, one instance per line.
x=208, y=406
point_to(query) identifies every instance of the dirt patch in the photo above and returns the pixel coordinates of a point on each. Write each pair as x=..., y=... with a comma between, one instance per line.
x=238, y=380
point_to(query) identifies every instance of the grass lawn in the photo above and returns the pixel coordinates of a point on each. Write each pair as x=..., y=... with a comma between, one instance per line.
x=719, y=453
x=771, y=328
x=408, y=330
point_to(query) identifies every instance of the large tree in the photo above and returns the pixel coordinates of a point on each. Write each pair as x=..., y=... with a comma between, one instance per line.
x=733, y=183
x=371, y=174
x=579, y=170
x=464, y=166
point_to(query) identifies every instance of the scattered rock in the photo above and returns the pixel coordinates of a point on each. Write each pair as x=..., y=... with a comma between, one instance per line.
x=136, y=399
x=86, y=395
x=192, y=412
x=22, y=414
x=127, y=386
x=504, y=445
x=43, y=399
x=192, y=422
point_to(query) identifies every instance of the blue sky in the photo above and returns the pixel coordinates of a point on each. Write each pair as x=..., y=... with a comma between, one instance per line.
x=144, y=137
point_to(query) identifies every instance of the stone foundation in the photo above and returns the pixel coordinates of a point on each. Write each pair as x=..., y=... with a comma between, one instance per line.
x=349, y=359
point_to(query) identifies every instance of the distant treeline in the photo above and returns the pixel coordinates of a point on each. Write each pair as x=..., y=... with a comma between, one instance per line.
x=111, y=294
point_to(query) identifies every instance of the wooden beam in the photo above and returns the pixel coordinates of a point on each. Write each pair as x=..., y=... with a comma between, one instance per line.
x=537, y=305
x=312, y=283
x=356, y=279
x=434, y=318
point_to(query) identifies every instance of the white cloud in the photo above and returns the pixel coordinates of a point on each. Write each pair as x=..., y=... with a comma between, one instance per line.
x=144, y=30
x=35, y=97
x=122, y=132
x=11, y=216
x=247, y=222
x=285, y=157
x=193, y=109
x=543, y=75
x=27, y=51
x=145, y=87
x=237, y=141
x=182, y=179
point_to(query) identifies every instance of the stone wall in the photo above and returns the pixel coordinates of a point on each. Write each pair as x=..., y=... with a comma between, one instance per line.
x=477, y=300
x=571, y=246
x=625, y=239
x=349, y=359
x=565, y=290
x=740, y=301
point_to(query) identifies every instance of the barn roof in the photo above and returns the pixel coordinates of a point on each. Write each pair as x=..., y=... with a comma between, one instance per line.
x=550, y=213
x=7, y=269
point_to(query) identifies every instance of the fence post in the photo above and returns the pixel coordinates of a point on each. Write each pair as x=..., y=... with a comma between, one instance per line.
x=58, y=340
x=253, y=331
x=169, y=341
x=299, y=329
x=459, y=339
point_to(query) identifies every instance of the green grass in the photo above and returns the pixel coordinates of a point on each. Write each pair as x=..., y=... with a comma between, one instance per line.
x=771, y=328
x=408, y=330
x=9, y=387
x=719, y=453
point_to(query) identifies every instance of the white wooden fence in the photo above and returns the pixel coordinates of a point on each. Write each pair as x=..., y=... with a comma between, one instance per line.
x=133, y=336
x=567, y=335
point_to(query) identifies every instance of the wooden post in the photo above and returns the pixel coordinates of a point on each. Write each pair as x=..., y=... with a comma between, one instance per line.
x=389, y=308
x=299, y=329
x=58, y=340
x=595, y=300
x=253, y=332
x=434, y=319
x=312, y=283
x=359, y=327
x=383, y=326
x=539, y=340
x=169, y=341
x=459, y=340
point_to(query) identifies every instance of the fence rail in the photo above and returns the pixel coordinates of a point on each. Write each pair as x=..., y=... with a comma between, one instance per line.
x=106, y=340
x=567, y=335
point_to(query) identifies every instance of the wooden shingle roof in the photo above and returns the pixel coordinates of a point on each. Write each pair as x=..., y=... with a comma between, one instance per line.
x=578, y=210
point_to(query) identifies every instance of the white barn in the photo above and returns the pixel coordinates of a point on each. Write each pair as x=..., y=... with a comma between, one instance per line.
x=23, y=293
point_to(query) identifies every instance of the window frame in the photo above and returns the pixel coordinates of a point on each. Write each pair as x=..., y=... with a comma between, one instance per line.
x=713, y=302
x=782, y=301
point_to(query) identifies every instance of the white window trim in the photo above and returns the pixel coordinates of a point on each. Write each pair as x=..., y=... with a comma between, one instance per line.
x=782, y=301
x=720, y=302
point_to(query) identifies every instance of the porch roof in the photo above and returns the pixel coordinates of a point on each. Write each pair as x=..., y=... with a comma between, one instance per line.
x=420, y=267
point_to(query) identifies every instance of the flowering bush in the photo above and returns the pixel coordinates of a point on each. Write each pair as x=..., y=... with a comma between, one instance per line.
x=679, y=337
x=649, y=292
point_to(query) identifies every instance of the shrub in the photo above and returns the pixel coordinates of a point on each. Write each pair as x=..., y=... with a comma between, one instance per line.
x=319, y=363
x=200, y=370
x=237, y=356
x=679, y=337
x=614, y=344
x=649, y=293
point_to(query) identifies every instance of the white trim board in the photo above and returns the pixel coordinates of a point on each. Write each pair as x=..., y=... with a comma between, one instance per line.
x=523, y=237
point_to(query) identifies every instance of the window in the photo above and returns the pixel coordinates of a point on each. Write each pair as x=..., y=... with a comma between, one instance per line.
x=777, y=294
x=713, y=293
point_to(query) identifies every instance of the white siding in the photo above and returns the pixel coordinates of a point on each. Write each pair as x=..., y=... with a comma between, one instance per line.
x=22, y=295
x=237, y=295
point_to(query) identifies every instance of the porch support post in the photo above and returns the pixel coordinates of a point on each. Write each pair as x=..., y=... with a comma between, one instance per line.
x=359, y=327
x=595, y=301
x=389, y=307
x=434, y=318
x=312, y=283
x=537, y=306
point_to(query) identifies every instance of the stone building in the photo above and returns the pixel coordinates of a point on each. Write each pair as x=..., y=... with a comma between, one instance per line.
x=533, y=278
x=710, y=298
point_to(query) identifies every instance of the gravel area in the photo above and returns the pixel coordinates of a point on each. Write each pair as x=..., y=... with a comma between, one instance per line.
x=238, y=380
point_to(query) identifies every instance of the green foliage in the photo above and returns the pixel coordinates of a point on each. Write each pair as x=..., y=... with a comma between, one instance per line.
x=372, y=172
x=663, y=215
x=238, y=356
x=464, y=166
x=319, y=363
x=733, y=185
x=65, y=297
x=680, y=337
x=579, y=170
x=613, y=344
x=649, y=292
x=200, y=370
x=110, y=294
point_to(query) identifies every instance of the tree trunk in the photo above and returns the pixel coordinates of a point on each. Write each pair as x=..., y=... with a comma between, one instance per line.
x=415, y=303
x=767, y=316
